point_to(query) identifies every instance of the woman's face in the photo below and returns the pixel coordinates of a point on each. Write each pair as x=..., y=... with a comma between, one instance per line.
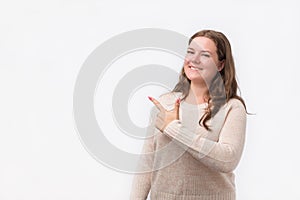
x=201, y=61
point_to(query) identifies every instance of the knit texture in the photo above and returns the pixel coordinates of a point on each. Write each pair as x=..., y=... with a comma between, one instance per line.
x=187, y=162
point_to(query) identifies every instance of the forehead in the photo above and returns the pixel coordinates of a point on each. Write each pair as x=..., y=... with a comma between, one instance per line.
x=203, y=43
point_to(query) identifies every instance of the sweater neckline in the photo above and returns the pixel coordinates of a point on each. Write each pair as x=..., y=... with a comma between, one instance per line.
x=184, y=104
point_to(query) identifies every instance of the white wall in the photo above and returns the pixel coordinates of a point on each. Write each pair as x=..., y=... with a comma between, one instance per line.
x=44, y=43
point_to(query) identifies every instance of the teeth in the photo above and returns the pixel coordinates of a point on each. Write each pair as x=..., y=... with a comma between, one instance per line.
x=194, y=68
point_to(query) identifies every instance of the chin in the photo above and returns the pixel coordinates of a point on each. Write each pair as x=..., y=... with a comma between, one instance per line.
x=197, y=79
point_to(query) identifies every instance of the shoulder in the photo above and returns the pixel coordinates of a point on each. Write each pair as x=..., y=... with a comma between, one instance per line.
x=235, y=104
x=168, y=99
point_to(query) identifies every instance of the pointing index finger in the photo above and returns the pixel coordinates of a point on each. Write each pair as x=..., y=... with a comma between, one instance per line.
x=157, y=104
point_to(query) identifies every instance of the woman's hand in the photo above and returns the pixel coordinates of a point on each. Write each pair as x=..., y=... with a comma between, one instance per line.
x=164, y=117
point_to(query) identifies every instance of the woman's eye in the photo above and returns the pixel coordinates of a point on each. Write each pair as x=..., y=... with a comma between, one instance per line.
x=190, y=52
x=205, y=55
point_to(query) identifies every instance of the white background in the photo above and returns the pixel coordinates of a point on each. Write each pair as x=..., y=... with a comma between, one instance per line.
x=44, y=43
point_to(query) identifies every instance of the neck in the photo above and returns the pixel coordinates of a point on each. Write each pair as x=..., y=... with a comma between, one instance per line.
x=198, y=93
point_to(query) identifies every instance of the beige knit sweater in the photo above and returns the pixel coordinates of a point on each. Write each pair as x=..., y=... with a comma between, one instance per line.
x=187, y=162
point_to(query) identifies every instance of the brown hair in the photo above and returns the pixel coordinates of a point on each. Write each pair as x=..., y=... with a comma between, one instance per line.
x=223, y=86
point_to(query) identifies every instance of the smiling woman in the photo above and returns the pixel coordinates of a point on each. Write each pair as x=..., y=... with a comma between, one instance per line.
x=201, y=62
x=206, y=119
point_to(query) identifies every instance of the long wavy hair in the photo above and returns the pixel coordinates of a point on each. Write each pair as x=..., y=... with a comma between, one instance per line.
x=223, y=86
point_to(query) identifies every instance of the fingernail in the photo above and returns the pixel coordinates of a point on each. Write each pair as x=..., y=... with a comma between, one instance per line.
x=150, y=98
x=178, y=100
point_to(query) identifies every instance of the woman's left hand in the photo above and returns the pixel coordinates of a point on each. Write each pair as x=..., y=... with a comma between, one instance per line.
x=164, y=117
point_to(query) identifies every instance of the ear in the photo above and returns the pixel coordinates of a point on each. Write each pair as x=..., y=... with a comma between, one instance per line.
x=221, y=65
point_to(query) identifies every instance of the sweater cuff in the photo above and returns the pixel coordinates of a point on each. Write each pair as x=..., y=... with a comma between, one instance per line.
x=185, y=136
x=175, y=130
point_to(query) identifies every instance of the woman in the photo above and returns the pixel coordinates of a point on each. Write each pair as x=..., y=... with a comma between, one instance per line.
x=200, y=129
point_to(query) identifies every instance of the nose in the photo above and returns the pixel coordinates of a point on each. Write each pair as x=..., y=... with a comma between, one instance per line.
x=195, y=59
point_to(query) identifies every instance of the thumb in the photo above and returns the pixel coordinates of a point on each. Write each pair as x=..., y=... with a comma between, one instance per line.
x=176, y=108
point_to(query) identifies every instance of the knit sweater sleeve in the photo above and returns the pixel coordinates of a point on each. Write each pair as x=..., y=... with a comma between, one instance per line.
x=222, y=155
x=141, y=183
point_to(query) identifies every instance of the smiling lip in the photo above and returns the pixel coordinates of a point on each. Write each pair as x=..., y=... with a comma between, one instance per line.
x=195, y=68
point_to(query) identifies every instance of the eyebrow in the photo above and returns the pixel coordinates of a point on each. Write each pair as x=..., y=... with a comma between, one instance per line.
x=201, y=50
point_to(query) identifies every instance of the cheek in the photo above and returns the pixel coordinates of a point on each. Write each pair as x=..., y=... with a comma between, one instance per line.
x=186, y=60
x=186, y=63
x=211, y=65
